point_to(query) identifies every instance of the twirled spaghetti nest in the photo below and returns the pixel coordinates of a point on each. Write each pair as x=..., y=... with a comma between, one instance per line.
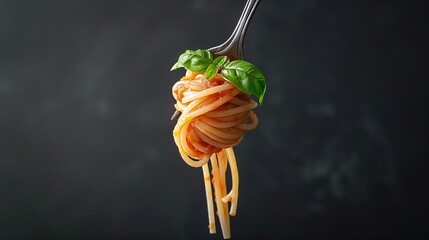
x=214, y=115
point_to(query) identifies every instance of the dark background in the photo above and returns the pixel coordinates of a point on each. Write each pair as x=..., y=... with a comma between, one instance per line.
x=86, y=147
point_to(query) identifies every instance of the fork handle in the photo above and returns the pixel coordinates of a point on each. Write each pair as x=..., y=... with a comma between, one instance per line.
x=236, y=40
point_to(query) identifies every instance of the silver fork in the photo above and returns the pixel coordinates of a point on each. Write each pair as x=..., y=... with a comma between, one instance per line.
x=233, y=47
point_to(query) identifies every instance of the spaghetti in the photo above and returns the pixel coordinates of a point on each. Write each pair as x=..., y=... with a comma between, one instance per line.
x=214, y=116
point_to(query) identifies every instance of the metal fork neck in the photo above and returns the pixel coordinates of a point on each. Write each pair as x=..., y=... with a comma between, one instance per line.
x=234, y=44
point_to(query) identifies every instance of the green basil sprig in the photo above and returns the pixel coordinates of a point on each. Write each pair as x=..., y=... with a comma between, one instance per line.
x=242, y=74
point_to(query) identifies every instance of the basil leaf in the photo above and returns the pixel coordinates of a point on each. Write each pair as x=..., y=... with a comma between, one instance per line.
x=219, y=61
x=195, y=61
x=213, y=68
x=176, y=66
x=204, y=54
x=211, y=71
x=246, y=77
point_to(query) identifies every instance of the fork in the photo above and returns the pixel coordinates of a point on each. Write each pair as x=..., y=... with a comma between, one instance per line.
x=233, y=47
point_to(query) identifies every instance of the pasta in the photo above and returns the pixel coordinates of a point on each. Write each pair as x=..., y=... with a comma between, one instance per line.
x=214, y=116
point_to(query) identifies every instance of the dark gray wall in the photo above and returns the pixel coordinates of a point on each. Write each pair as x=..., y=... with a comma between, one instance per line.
x=86, y=148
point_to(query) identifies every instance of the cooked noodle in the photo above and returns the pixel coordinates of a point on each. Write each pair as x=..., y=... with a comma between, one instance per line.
x=214, y=115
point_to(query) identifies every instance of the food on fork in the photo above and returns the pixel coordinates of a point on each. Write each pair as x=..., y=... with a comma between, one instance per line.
x=216, y=107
